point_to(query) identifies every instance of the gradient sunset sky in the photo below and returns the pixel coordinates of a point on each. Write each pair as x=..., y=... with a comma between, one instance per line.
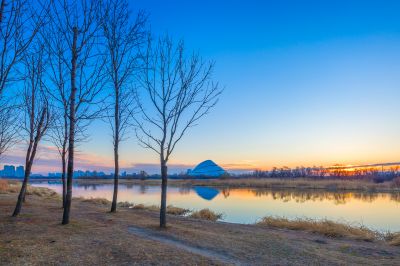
x=306, y=83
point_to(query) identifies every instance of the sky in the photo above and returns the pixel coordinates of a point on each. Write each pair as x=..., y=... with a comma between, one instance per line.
x=305, y=83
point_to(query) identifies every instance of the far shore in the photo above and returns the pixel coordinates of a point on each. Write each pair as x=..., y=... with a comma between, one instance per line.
x=360, y=185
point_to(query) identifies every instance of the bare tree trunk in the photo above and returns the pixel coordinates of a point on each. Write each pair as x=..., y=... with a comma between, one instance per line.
x=71, y=139
x=116, y=146
x=64, y=183
x=163, y=209
x=116, y=174
x=22, y=192
x=30, y=156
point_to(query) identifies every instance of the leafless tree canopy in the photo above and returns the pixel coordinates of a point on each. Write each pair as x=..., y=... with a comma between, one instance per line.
x=177, y=91
x=20, y=21
x=124, y=40
x=81, y=15
x=8, y=126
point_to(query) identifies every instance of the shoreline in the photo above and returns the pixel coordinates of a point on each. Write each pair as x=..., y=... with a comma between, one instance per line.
x=331, y=185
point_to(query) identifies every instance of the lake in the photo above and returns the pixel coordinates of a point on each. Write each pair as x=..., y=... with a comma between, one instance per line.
x=379, y=211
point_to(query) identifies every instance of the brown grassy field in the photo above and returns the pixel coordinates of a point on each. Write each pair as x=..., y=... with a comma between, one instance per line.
x=131, y=236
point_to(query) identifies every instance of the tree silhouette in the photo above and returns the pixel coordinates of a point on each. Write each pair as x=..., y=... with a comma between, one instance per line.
x=175, y=92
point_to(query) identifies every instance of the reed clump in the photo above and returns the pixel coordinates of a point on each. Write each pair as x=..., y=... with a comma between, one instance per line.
x=324, y=227
x=206, y=214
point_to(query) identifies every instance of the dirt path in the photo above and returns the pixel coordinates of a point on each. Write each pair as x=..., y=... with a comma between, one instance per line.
x=170, y=240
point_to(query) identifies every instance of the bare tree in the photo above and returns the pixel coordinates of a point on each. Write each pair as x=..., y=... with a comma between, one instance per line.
x=59, y=137
x=8, y=126
x=77, y=24
x=37, y=114
x=123, y=39
x=20, y=21
x=56, y=49
x=179, y=91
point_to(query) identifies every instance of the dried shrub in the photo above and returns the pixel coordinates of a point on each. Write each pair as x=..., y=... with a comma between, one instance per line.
x=206, y=214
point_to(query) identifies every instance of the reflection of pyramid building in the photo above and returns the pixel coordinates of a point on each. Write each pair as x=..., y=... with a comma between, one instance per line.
x=208, y=169
x=206, y=193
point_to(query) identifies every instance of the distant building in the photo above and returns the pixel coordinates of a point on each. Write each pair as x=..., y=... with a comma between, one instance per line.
x=9, y=171
x=20, y=172
x=207, y=169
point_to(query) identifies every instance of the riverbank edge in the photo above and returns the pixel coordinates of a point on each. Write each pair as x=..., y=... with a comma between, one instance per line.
x=331, y=185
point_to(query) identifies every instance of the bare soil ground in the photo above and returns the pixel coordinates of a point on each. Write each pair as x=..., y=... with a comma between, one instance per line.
x=132, y=237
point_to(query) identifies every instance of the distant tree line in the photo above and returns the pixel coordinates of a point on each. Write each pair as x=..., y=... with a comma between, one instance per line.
x=373, y=173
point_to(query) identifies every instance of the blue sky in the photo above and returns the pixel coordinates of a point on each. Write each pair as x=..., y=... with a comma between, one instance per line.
x=306, y=83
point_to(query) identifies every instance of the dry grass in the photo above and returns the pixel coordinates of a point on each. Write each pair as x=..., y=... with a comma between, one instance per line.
x=42, y=192
x=9, y=186
x=323, y=227
x=3, y=186
x=170, y=209
x=206, y=214
x=96, y=201
x=176, y=210
x=146, y=207
x=125, y=204
x=393, y=238
x=96, y=237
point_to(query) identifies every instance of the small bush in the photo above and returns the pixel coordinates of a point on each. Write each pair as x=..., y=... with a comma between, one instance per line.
x=323, y=227
x=206, y=214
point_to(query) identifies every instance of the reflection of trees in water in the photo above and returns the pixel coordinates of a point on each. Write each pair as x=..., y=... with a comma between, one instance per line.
x=143, y=189
x=226, y=192
x=395, y=197
x=184, y=190
x=304, y=196
x=88, y=187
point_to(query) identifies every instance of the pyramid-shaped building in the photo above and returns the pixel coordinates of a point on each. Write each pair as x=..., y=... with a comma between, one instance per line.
x=207, y=169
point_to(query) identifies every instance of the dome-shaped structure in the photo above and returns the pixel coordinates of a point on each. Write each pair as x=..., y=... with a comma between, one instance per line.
x=208, y=169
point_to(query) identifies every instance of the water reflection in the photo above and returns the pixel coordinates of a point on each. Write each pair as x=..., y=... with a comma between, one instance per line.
x=206, y=193
x=380, y=211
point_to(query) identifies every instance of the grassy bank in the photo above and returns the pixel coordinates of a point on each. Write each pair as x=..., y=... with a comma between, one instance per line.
x=96, y=236
x=270, y=183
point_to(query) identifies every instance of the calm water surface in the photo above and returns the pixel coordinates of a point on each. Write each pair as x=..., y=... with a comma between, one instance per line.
x=380, y=211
